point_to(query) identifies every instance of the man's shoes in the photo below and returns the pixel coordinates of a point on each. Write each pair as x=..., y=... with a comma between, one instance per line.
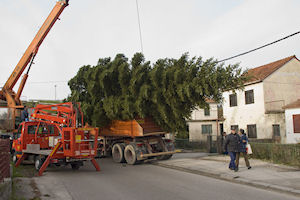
x=249, y=167
x=236, y=169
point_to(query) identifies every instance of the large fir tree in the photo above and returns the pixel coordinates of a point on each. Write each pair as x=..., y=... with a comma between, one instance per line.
x=168, y=90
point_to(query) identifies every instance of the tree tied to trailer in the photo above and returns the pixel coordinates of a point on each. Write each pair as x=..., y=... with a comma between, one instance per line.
x=167, y=90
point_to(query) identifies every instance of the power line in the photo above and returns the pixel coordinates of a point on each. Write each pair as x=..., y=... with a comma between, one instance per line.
x=42, y=82
x=139, y=22
x=241, y=54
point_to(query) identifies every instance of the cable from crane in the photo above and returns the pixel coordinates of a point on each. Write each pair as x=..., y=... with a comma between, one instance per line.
x=139, y=23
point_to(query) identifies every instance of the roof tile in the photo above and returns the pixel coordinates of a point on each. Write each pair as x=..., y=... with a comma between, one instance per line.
x=260, y=73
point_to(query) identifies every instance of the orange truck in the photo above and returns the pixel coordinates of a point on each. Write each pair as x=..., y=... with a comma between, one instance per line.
x=55, y=135
x=135, y=141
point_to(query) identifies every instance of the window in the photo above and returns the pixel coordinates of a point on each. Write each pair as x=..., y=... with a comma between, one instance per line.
x=235, y=127
x=207, y=129
x=252, y=131
x=249, y=96
x=296, y=123
x=233, y=100
x=31, y=129
x=206, y=112
x=276, y=130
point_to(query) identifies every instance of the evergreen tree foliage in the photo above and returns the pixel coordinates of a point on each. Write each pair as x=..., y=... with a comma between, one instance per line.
x=167, y=91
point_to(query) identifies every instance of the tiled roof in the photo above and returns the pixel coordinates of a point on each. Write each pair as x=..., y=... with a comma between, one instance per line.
x=207, y=100
x=295, y=104
x=260, y=73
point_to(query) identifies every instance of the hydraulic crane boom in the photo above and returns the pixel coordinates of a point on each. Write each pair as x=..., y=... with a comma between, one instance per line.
x=7, y=94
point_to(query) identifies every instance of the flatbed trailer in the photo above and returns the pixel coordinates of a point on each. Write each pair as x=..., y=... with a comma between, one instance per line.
x=134, y=141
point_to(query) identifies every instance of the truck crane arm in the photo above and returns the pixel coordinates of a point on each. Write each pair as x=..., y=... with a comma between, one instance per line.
x=67, y=114
x=7, y=94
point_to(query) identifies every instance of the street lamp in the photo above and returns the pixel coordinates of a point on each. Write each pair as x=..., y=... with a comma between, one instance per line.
x=55, y=92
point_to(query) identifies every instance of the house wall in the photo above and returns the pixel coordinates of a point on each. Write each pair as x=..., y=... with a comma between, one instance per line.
x=195, y=130
x=247, y=114
x=198, y=119
x=291, y=137
x=244, y=114
x=281, y=86
x=198, y=114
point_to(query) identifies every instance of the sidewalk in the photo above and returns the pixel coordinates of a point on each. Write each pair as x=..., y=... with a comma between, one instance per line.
x=263, y=174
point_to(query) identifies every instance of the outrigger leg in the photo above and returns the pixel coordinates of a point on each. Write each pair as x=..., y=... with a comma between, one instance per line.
x=95, y=164
x=47, y=161
x=20, y=160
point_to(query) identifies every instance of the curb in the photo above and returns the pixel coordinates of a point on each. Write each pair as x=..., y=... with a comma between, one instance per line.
x=234, y=179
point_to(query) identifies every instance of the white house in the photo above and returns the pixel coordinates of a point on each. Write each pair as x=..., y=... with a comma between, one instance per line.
x=292, y=120
x=259, y=107
x=204, y=122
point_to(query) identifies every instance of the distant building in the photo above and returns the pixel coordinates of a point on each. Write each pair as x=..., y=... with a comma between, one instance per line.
x=292, y=120
x=259, y=107
x=204, y=122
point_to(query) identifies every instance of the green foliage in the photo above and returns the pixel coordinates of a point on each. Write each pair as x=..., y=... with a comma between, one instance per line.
x=168, y=90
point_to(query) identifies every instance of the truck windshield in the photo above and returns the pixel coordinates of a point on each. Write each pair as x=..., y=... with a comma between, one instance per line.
x=31, y=129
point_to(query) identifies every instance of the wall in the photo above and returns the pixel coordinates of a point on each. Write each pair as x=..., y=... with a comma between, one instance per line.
x=4, y=159
x=195, y=130
x=291, y=137
x=280, y=86
x=245, y=114
x=198, y=114
x=198, y=119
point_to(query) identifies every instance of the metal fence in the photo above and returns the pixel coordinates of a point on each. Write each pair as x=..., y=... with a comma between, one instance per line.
x=211, y=145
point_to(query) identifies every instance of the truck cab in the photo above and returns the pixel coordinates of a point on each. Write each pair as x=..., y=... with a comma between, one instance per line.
x=32, y=132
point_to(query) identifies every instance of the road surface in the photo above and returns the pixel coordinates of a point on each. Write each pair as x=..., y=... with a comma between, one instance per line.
x=143, y=182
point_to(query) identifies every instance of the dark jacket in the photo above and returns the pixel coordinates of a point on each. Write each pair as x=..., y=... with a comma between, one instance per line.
x=24, y=115
x=232, y=143
x=242, y=145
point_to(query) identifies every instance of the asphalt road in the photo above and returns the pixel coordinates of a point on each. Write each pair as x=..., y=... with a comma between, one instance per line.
x=145, y=182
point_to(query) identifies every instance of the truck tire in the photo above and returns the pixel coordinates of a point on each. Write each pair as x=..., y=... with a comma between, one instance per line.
x=130, y=155
x=118, y=153
x=39, y=161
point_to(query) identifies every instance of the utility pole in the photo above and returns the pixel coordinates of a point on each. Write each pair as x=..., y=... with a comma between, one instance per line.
x=55, y=92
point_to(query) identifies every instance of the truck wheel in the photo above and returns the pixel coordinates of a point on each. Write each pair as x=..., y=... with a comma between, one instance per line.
x=75, y=166
x=118, y=153
x=130, y=155
x=39, y=161
x=15, y=158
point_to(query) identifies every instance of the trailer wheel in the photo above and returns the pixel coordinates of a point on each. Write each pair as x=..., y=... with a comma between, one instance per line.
x=39, y=161
x=118, y=153
x=130, y=155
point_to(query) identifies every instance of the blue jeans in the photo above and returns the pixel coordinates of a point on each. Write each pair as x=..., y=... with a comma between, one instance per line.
x=232, y=160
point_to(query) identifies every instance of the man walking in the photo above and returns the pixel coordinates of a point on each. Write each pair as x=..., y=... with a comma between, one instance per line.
x=231, y=145
x=242, y=149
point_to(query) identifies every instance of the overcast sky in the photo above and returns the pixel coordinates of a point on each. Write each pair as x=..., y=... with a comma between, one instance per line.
x=93, y=29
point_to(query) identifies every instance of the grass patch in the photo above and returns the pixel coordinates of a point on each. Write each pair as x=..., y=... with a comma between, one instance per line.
x=23, y=170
